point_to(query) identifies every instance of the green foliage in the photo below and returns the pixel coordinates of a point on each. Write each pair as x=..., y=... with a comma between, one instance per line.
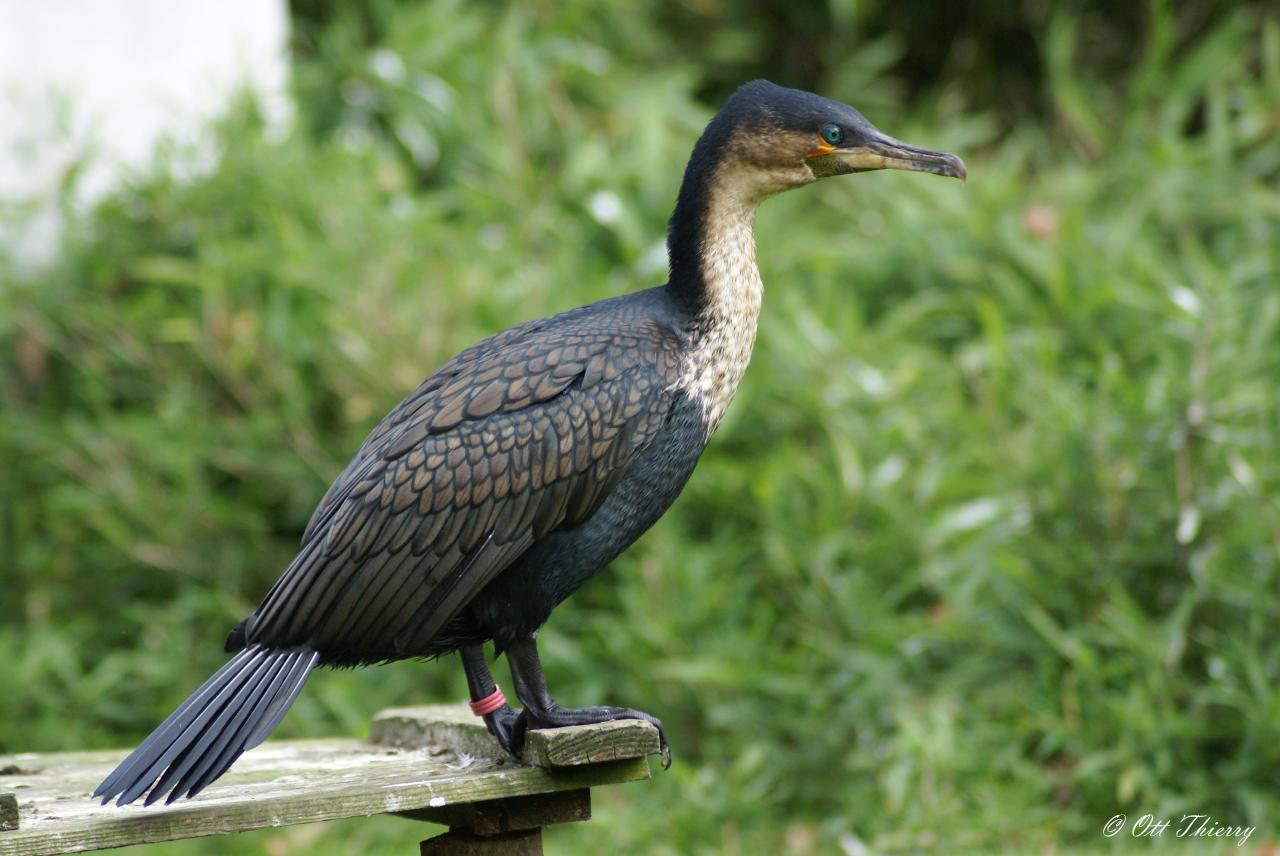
x=985, y=552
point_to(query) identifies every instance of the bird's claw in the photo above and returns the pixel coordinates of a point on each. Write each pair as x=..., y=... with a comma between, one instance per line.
x=664, y=748
x=503, y=725
x=519, y=731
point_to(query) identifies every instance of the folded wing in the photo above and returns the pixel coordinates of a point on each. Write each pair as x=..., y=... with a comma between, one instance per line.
x=519, y=436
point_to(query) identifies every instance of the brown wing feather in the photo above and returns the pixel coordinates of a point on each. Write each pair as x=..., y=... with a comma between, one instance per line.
x=406, y=410
x=514, y=438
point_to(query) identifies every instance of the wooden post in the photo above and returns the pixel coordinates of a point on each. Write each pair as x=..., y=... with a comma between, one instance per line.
x=493, y=817
x=463, y=842
x=506, y=827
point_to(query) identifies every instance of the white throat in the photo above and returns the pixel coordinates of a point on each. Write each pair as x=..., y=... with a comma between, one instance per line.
x=725, y=330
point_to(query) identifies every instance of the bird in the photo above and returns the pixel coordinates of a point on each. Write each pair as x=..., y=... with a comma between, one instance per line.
x=524, y=465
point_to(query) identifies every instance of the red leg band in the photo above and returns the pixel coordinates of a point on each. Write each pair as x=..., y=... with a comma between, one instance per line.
x=487, y=705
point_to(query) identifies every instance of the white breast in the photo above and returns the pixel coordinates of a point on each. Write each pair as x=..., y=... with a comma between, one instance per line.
x=726, y=330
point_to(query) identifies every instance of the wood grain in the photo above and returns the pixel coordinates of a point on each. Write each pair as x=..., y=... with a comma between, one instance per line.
x=454, y=727
x=600, y=743
x=284, y=782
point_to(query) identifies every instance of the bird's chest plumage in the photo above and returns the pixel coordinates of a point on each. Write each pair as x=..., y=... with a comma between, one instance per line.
x=522, y=598
x=723, y=335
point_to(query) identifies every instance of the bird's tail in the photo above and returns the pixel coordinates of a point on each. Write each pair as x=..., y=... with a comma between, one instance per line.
x=232, y=712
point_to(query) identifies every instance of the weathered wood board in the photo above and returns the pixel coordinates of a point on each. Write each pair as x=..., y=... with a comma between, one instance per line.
x=450, y=761
x=454, y=726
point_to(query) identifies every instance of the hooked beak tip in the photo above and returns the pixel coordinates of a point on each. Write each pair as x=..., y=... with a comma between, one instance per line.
x=885, y=152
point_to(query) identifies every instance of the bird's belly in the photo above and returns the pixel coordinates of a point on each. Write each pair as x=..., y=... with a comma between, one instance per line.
x=521, y=599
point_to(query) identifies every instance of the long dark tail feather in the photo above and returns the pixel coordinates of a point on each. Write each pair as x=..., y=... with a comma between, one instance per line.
x=232, y=712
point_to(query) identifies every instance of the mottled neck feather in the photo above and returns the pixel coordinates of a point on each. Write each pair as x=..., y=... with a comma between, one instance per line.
x=715, y=278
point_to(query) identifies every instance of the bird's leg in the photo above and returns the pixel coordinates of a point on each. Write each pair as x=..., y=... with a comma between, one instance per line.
x=542, y=711
x=499, y=720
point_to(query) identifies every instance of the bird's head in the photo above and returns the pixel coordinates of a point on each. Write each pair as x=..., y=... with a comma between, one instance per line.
x=767, y=139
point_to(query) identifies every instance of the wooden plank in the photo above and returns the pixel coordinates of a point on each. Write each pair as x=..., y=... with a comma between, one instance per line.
x=276, y=784
x=454, y=726
x=450, y=727
x=591, y=744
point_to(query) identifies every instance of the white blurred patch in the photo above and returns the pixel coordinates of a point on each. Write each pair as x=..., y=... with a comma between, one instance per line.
x=871, y=379
x=1186, y=300
x=970, y=515
x=387, y=64
x=889, y=471
x=605, y=206
x=419, y=141
x=94, y=85
x=1241, y=470
x=1188, y=524
x=434, y=91
x=852, y=845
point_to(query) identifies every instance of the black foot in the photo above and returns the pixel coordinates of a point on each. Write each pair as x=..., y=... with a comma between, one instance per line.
x=559, y=717
x=502, y=725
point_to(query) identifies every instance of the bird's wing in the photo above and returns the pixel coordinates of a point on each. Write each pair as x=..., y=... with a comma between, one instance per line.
x=511, y=337
x=521, y=435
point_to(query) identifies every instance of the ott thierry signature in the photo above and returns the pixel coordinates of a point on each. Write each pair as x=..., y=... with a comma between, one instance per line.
x=1188, y=826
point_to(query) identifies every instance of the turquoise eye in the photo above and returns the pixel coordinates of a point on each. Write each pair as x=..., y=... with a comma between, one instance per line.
x=833, y=135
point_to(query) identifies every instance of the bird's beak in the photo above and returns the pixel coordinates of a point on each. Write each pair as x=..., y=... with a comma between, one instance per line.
x=881, y=151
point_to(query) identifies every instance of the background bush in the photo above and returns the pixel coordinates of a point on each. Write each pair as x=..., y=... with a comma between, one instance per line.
x=985, y=552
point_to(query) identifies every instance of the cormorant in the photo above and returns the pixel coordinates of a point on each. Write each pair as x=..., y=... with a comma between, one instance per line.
x=524, y=465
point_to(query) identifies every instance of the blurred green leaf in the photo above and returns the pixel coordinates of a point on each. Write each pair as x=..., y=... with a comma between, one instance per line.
x=936, y=584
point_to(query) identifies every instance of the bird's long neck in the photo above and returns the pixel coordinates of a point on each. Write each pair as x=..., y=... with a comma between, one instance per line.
x=715, y=279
